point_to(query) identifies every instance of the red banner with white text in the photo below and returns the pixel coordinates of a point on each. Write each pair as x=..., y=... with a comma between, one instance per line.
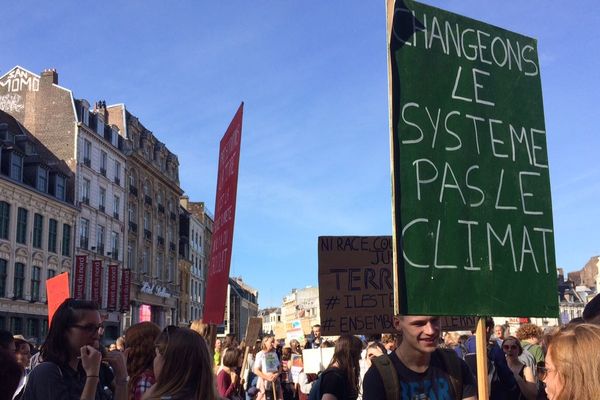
x=79, y=277
x=113, y=277
x=97, y=282
x=222, y=238
x=125, y=288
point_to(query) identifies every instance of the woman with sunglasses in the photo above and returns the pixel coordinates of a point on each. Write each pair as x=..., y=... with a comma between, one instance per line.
x=71, y=360
x=182, y=367
x=526, y=385
x=572, y=363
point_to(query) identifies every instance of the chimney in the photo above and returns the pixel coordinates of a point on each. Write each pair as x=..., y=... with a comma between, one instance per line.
x=50, y=76
x=100, y=108
x=184, y=202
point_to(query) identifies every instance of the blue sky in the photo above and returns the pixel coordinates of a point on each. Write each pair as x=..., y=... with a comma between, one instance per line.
x=312, y=74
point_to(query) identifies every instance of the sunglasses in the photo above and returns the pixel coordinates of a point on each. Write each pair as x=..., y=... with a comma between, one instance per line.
x=510, y=347
x=89, y=329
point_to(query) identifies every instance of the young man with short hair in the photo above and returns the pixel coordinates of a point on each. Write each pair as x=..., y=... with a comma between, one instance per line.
x=316, y=340
x=420, y=369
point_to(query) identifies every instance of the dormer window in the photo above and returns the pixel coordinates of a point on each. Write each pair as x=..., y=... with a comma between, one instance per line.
x=99, y=125
x=85, y=116
x=42, y=179
x=16, y=166
x=59, y=188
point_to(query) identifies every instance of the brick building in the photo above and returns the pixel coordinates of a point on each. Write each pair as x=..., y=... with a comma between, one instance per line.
x=37, y=219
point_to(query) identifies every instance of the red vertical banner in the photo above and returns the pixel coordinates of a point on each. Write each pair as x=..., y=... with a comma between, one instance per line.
x=79, y=277
x=125, y=287
x=222, y=238
x=97, y=282
x=113, y=277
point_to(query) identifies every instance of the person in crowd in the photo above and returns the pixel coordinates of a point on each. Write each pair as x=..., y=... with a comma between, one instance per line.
x=572, y=365
x=372, y=350
x=341, y=379
x=389, y=342
x=120, y=343
x=217, y=354
x=267, y=367
x=230, y=341
x=7, y=342
x=139, y=347
x=228, y=380
x=500, y=332
x=451, y=340
x=10, y=372
x=418, y=368
x=530, y=336
x=287, y=382
x=591, y=312
x=71, y=362
x=314, y=342
x=526, y=384
x=23, y=356
x=182, y=367
x=296, y=347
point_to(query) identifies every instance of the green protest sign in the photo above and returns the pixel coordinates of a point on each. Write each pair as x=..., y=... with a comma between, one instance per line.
x=473, y=223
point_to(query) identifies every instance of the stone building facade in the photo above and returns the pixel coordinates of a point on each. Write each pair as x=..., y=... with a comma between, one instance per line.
x=152, y=179
x=37, y=221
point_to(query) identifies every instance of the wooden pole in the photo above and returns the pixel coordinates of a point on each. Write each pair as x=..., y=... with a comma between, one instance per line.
x=244, y=365
x=274, y=391
x=482, y=365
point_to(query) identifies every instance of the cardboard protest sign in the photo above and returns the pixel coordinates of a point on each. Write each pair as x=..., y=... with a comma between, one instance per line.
x=356, y=288
x=222, y=238
x=57, y=291
x=473, y=229
x=316, y=360
x=253, y=330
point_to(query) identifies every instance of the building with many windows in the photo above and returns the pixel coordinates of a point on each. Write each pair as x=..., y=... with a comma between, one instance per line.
x=37, y=219
x=241, y=305
x=152, y=173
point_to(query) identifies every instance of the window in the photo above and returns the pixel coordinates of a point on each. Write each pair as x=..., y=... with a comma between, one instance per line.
x=102, y=201
x=87, y=152
x=66, y=242
x=85, y=191
x=84, y=232
x=38, y=227
x=147, y=221
x=42, y=180
x=159, y=266
x=100, y=239
x=51, y=273
x=116, y=206
x=22, y=226
x=131, y=255
x=115, y=245
x=146, y=261
x=170, y=270
x=132, y=212
x=131, y=180
x=16, y=325
x=60, y=187
x=147, y=190
x=16, y=167
x=35, y=283
x=103, y=162
x=33, y=327
x=99, y=125
x=3, y=268
x=117, y=171
x=4, y=219
x=19, y=280
x=52, y=235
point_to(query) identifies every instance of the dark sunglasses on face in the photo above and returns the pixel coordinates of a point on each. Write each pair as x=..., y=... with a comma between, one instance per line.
x=91, y=328
x=510, y=347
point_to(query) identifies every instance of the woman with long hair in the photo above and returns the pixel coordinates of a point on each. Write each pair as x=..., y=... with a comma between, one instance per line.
x=341, y=379
x=267, y=367
x=139, y=348
x=526, y=384
x=182, y=367
x=228, y=380
x=572, y=363
x=71, y=360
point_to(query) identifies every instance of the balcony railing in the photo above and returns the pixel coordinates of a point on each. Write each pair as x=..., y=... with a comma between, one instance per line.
x=161, y=208
x=100, y=249
x=133, y=227
x=85, y=200
x=117, y=180
x=133, y=190
x=102, y=208
x=173, y=216
x=103, y=172
x=114, y=254
x=116, y=215
x=83, y=242
x=147, y=234
x=171, y=246
x=147, y=200
x=87, y=162
x=160, y=240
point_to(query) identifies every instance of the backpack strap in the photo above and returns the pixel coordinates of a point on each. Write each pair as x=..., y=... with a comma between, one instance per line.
x=389, y=376
x=454, y=370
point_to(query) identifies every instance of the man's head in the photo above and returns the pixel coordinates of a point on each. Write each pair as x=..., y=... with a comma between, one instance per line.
x=500, y=332
x=419, y=333
x=7, y=342
x=591, y=312
x=316, y=331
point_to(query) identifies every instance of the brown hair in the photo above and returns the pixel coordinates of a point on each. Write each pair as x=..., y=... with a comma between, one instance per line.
x=187, y=369
x=263, y=343
x=347, y=356
x=514, y=339
x=139, y=342
x=575, y=351
x=528, y=331
x=231, y=357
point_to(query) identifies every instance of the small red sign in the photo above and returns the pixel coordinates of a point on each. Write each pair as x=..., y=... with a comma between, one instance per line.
x=97, y=282
x=125, y=288
x=113, y=277
x=79, y=277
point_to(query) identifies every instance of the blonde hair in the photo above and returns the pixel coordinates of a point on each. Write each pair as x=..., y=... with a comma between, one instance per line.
x=200, y=327
x=263, y=343
x=575, y=351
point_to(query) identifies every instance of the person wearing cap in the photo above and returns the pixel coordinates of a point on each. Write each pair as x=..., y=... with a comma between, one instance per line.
x=23, y=356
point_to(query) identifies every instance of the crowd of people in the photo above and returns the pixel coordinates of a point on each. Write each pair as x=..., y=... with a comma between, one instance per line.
x=419, y=361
